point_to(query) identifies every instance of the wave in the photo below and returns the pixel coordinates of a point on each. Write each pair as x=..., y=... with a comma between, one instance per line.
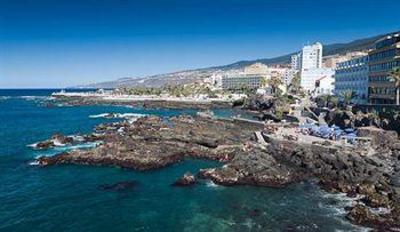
x=77, y=138
x=342, y=200
x=33, y=145
x=78, y=146
x=380, y=210
x=4, y=97
x=67, y=148
x=34, y=163
x=99, y=115
x=211, y=184
x=35, y=98
x=118, y=115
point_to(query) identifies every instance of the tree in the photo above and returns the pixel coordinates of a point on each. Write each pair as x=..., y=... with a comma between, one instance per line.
x=395, y=77
x=274, y=83
x=264, y=81
x=294, y=86
x=327, y=100
x=348, y=96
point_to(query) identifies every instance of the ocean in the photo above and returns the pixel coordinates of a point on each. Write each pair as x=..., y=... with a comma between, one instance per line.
x=73, y=197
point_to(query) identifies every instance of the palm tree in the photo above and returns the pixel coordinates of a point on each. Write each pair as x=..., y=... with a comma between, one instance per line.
x=274, y=83
x=348, y=96
x=395, y=77
x=294, y=85
x=263, y=81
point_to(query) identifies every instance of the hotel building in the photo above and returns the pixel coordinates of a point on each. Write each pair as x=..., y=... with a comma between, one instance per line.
x=314, y=78
x=239, y=81
x=311, y=56
x=352, y=75
x=382, y=60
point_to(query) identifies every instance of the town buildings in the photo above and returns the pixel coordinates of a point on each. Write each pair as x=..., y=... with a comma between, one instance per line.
x=352, y=75
x=382, y=60
x=333, y=60
x=315, y=79
x=309, y=78
x=241, y=80
x=324, y=85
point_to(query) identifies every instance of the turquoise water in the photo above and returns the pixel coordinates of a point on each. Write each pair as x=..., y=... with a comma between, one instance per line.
x=69, y=197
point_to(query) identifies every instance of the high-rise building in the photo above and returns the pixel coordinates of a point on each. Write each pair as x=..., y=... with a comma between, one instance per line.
x=295, y=62
x=352, y=75
x=314, y=78
x=382, y=60
x=311, y=56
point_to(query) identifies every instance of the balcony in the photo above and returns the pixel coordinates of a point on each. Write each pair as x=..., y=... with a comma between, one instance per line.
x=382, y=96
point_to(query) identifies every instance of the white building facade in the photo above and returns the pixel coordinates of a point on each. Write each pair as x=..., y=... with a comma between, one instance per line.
x=311, y=56
x=309, y=78
x=295, y=61
x=238, y=81
x=352, y=75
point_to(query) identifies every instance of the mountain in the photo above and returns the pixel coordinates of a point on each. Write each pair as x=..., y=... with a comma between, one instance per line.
x=330, y=49
x=189, y=76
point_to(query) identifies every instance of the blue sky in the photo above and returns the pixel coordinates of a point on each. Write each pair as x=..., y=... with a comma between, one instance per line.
x=61, y=43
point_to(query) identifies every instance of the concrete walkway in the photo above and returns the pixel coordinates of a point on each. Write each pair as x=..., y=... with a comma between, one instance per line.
x=260, y=138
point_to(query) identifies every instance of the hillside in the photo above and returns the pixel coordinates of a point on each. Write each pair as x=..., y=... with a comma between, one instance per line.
x=195, y=75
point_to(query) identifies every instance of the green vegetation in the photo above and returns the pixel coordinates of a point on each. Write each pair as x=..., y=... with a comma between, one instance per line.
x=294, y=86
x=329, y=101
x=274, y=83
x=282, y=105
x=141, y=91
x=171, y=90
x=348, y=96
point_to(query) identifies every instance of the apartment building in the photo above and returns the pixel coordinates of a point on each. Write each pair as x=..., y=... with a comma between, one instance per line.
x=352, y=75
x=382, y=60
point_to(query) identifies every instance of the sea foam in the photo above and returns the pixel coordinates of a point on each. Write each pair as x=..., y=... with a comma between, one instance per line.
x=131, y=116
x=4, y=97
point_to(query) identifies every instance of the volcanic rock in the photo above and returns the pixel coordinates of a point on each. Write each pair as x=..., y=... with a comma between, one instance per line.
x=185, y=180
x=120, y=186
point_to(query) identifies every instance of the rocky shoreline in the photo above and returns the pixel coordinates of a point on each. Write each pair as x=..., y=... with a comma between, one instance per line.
x=156, y=103
x=369, y=174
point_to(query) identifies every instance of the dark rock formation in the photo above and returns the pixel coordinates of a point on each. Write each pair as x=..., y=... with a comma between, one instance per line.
x=259, y=102
x=120, y=186
x=77, y=101
x=151, y=142
x=360, y=214
x=379, y=137
x=253, y=166
x=44, y=144
x=185, y=180
x=62, y=139
x=357, y=118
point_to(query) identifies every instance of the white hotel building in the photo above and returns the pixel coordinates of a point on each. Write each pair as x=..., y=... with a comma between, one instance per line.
x=314, y=78
x=311, y=56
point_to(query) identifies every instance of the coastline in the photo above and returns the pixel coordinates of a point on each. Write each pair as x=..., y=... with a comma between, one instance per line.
x=277, y=162
x=78, y=98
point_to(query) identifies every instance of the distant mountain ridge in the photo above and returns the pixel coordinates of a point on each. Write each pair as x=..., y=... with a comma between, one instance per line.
x=189, y=76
